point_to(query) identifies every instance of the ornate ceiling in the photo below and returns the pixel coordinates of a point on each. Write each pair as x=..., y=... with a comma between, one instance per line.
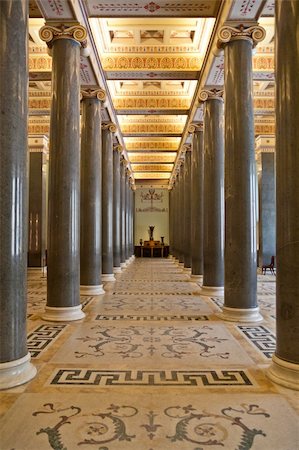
x=152, y=58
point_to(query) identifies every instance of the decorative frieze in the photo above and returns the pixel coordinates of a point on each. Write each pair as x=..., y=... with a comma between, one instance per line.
x=152, y=128
x=149, y=103
x=152, y=167
x=148, y=145
x=152, y=62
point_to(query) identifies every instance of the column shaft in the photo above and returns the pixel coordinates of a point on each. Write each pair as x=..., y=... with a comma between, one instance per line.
x=127, y=209
x=213, y=247
x=37, y=209
x=181, y=215
x=197, y=176
x=116, y=211
x=123, y=212
x=187, y=210
x=285, y=367
x=107, y=205
x=63, y=289
x=240, y=184
x=267, y=209
x=15, y=367
x=91, y=198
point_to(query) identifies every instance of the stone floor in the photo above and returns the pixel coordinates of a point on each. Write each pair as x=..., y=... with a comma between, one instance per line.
x=151, y=367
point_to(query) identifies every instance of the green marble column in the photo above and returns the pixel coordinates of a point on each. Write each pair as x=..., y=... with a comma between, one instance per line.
x=213, y=196
x=63, y=282
x=240, y=294
x=91, y=194
x=197, y=217
x=285, y=367
x=15, y=366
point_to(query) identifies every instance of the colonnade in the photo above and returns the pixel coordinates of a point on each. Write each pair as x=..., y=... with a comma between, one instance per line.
x=213, y=223
x=223, y=190
x=90, y=196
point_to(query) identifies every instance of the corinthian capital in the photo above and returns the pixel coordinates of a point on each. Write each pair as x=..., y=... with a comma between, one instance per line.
x=100, y=94
x=252, y=34
x=214, y=94
x=49, y=34
x=109, y=126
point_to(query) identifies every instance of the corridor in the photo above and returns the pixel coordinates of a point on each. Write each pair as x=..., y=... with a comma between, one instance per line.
x=151, y=367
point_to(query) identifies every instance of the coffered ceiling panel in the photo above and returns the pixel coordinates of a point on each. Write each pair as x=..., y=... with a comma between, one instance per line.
x=121, y=8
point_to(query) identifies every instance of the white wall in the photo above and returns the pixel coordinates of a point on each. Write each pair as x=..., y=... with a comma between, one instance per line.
x=151, y=208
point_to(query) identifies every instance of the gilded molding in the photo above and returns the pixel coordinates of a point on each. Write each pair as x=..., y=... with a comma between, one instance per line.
x=109, y=126
x=100, y=94
x=49, y=34
x=254, y=34
x=214, y=94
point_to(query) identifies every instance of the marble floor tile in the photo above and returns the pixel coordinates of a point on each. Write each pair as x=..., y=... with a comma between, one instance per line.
x=122, y=422
x=152, y=346
x=151, y=367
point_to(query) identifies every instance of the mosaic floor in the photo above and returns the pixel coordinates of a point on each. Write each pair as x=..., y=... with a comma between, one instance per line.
x=151, y=367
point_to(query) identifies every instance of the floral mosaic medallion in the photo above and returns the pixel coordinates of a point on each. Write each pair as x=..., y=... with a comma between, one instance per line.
x=152, y=346
x=158, y=304
x=120, y=422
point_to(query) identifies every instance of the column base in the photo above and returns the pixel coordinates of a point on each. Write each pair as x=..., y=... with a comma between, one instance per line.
x=212, y=291
x=63, y=314
x=240, y=314
x=108, y=277
x=187, y=270
x=91, y=290
x=181, y=265
x=284, y=373
x=123, y=265
x=14, y=373
x=195, y=278
x=117, y=269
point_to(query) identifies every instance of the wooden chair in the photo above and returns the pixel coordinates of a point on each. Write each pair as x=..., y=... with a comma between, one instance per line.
x=270, y=266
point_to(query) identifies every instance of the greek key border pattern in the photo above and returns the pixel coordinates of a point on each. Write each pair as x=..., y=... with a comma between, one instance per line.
x=146, y=318
x=261, y=338
x=42, y=337
x=196, y=378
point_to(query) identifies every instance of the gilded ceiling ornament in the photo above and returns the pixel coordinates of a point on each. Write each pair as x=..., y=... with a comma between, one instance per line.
x=109, y=126
x=100, y=94
x=214, y=94
x=252, y=34
x=49, y=34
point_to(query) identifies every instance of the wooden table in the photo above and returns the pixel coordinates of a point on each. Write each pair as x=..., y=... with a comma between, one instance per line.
x=155, y=251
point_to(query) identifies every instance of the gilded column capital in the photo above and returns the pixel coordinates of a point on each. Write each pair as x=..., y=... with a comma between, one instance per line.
x=187, y=148
x=109, y=126
x=214, y=94
x=49, y=34
x=124, y=162
x=100, y=94
x=118, y=148
x=193, y=127
x=252, y=34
